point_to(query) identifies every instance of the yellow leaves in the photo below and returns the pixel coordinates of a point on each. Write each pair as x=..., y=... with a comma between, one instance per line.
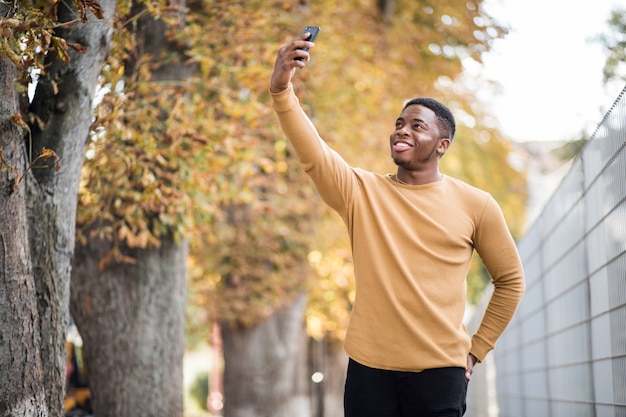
x=28, y=37
x=141, y=180
x=4, y=165
x=7, y=50
x=47, y=154
x=44, y=155
x=138, y=239
x=19, y=121
x=9, y=23
x=81, y=49
x=330, y=298
x=89, y=5
x=60, y=46
x=115, y=255
x=266, y=165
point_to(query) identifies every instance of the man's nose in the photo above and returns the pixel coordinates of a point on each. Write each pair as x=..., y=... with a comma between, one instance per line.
x=403, y=130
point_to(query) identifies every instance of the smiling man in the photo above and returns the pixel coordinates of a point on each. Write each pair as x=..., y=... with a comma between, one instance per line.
x=413, y=234
x=422, y=135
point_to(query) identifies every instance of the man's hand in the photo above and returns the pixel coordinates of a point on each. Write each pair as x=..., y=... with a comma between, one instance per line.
x=471, y=361
x=286, y=62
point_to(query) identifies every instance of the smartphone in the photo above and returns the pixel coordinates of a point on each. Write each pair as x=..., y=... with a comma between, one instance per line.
x=313, y=30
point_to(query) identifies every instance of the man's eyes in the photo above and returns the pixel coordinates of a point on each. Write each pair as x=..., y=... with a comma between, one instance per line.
x=415, y=126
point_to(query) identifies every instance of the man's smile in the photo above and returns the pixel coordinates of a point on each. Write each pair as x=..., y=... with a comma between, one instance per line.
x=400, y=145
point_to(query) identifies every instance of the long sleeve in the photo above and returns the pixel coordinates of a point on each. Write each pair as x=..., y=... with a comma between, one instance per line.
x=332, y=176
x=298, y=128
x=497, y=250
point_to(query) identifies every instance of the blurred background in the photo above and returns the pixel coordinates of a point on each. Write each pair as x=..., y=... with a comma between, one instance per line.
x=181, y=262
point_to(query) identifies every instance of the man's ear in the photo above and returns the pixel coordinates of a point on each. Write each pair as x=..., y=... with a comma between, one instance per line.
x=443, y=146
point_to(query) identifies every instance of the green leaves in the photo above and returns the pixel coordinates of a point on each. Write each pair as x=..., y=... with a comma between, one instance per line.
x=614, y=42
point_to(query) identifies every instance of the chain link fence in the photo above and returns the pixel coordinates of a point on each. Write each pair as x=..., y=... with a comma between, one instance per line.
x=564, y=354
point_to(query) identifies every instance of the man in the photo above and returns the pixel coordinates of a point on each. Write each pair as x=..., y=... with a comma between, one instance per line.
x=412, y=234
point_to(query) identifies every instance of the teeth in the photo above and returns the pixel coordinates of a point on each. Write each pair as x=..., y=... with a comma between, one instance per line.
x=402, y=145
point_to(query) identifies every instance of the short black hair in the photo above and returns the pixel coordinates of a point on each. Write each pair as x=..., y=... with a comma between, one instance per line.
x=444, y=115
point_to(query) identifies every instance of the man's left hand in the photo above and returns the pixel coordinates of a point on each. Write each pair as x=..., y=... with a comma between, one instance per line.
x=471, y=361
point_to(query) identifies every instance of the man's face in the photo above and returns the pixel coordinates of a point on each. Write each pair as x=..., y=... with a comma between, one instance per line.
x=415, y=142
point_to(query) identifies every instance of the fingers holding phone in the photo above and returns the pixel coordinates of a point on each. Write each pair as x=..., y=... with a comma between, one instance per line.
x=309, y=34
x=292, y=56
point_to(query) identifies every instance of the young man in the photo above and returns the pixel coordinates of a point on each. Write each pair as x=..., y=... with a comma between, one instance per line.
x=413, y=234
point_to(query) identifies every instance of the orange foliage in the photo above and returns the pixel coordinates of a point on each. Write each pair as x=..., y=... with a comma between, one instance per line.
x=205, y=160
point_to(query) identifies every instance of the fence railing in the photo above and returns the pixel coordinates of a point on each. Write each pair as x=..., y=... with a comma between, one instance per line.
x=564, y=354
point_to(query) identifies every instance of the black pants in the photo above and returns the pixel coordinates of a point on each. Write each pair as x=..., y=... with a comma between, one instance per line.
x=380, y=393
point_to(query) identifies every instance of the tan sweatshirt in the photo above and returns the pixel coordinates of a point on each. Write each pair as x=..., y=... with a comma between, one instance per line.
x=411, y=248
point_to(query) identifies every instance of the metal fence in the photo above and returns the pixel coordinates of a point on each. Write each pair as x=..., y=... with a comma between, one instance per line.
x=564, y=354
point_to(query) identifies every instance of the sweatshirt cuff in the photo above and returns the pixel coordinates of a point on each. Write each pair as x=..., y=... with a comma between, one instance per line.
x=284, y=100
x=480, y=348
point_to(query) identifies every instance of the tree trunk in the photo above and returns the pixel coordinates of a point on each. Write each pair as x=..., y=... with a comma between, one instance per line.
x=132, y=322
x=21, y=387
x=386, y=9
x=335, y=365
x=132, y=316
x=52, y=195
x=261, y=366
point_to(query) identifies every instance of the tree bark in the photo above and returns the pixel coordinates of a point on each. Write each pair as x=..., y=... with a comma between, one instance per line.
x=335, y=365
x=21, y=387
x=132, y=322
x=52, y=195
x=262, y=372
